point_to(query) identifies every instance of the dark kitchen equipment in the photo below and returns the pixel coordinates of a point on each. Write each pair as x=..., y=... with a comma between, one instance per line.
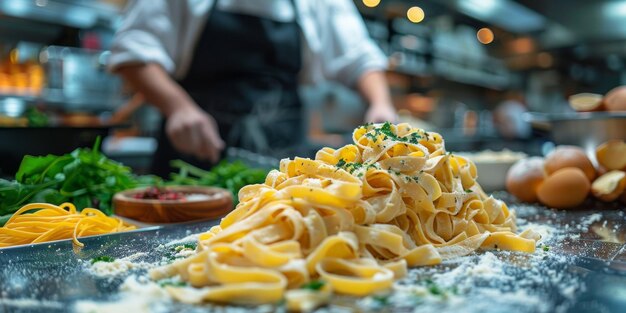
x=16, y=142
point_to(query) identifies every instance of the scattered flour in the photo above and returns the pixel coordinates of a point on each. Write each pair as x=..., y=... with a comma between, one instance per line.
x=472, y=269
x=592, y=218
x=137, y=295
x=188, y=239
x=587, y=221
x=27, y=304
x=184, y=253
x=508, y=280
x=488, y=267
x=548, y=233
x=119, y=266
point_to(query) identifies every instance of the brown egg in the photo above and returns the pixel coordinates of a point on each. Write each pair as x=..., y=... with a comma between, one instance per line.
x=601, y=170
x=615, y=100
x=586, y=102
x=569, y=156
x=524, y=177
x=565, y=188
x=612, y=155
x=609, y=186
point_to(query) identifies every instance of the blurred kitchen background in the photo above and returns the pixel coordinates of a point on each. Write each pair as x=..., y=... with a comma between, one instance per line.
x=465, y=68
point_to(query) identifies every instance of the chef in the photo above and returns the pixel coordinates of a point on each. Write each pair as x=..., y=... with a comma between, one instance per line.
x=226, y=72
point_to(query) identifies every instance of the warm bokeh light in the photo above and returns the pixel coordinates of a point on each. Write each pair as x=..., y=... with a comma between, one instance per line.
x=371, y=3
x=418, y=103
x=13, y=56
x=545, y=59
x=415, y=14
x=522, y=45
x=485, y=35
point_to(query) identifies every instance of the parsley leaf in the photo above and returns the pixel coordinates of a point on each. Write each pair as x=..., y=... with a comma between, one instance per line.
x=170, y=282
x=341, y=163
x=387, y=132
x=382, y=300
x=314, y=285
x=190, y=246
x=103, y=258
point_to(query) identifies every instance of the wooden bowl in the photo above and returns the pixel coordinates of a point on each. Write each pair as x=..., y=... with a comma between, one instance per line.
x=203, y=203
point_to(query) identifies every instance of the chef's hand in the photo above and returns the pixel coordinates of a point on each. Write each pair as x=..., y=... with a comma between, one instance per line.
x=194, y=132
x=381, y=112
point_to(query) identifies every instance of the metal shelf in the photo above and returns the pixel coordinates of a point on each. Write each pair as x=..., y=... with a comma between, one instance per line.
x=88, y=102
x=73, y=13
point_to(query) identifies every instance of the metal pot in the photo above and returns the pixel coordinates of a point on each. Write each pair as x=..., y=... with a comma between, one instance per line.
x=587, y=130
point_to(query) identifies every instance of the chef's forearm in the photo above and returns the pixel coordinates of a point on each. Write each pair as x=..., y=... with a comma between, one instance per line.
x=158, y=88
x=373, y=87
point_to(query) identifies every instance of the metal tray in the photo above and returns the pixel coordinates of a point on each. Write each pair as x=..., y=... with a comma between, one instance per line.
x=55, y=276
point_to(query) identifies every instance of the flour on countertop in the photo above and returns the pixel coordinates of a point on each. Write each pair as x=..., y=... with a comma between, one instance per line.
x=507, y=279
x=119, y=266
x=587, y=221
x=184, y=253
x=548, y=232
x=188, y=239
x=137, y=295
x=27, y=304
x=511, y=281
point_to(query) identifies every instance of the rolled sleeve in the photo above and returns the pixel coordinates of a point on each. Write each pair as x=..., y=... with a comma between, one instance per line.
x=145, y=36
x=348, y=51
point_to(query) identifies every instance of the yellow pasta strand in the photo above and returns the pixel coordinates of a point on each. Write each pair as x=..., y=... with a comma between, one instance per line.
x=49, y=222
x=354, y=217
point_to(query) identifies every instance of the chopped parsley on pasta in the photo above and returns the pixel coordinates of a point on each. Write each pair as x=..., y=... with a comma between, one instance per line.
x=354, y=218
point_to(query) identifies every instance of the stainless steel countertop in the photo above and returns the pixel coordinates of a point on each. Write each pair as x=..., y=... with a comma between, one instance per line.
x=587, y=250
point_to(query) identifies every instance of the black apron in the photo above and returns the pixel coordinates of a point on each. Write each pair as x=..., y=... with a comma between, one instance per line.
x=244, y=73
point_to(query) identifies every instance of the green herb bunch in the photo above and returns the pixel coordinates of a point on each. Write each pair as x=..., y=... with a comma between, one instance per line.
x=84, y=177
x=232, y=176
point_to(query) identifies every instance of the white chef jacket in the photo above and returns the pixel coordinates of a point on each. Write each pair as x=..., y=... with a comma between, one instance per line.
x=336, y=43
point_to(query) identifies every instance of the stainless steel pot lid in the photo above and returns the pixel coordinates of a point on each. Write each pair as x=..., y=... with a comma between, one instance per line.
x=570, y=116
